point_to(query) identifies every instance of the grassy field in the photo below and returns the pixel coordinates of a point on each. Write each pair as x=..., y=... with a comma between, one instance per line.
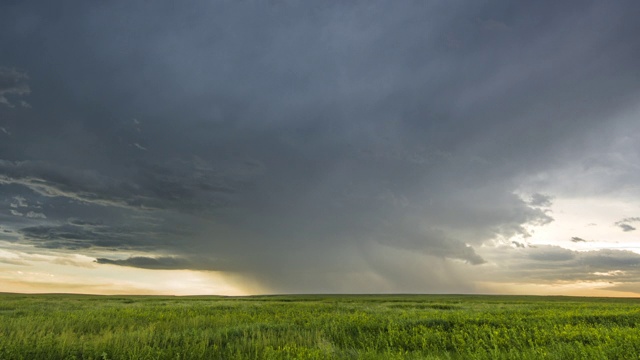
x=318, y=327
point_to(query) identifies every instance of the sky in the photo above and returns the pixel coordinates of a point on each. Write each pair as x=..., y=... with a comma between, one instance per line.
x=262, y=147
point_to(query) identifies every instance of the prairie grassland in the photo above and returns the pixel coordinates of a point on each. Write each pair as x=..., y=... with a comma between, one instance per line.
x=318, y=327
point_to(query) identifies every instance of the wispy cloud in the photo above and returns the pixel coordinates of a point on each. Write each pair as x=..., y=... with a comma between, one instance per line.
x=35, y=215
x=16, y=213
x=138, y=146
x=624, y=223
x=51, y=181
x=12, y=83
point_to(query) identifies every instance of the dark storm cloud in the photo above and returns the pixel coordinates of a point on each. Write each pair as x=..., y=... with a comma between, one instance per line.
x=76, y=237
x=50, y=180
x=158, y=263
x=291, y=141
x=189, y=184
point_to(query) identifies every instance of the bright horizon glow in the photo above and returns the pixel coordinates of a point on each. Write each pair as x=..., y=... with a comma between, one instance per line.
x=591, y=219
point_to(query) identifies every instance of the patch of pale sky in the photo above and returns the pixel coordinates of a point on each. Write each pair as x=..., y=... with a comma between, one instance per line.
x=45, y=276
x=574, y=218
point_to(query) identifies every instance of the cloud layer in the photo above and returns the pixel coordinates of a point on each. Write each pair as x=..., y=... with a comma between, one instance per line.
x=314, y=147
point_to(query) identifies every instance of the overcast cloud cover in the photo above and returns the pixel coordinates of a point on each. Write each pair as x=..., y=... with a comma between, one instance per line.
x=365, y=146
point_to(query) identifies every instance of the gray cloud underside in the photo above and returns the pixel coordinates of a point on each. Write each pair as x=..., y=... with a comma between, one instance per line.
x=548, y=263
x=623, y=224
x=176, y=183
x=540, y=200
x=74, y=237
x=157, y=263
x=625, y=227
x=377, y=142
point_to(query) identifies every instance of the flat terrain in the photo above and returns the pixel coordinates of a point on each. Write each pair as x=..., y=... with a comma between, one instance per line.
x=318, y=327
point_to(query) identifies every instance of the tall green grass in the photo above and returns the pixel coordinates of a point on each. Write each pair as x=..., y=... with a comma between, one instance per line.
x=318, y=327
